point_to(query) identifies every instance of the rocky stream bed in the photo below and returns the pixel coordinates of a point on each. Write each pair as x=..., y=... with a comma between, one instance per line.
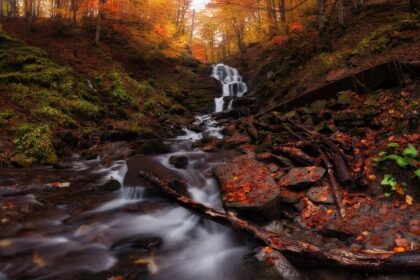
x=304, y=184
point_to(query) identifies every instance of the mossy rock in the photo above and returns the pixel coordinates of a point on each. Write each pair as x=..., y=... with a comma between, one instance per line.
x=21, y=160
x=36, y=141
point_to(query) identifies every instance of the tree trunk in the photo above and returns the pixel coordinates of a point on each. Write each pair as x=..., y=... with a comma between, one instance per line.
x=341, y=12
x=238, y=32
x=282, y=8
x=321, y=16
x=99, y=22
x=192, y=28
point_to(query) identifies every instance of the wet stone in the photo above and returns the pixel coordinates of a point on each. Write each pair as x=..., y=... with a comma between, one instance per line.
x=153, y=147
x=178, y=161
x=147, y=243
x=273, y=167
x=111, y=186
x=320, y=194
x=302, y=177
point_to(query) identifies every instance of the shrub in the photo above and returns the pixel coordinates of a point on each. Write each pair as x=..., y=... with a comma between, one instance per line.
x=36, y=141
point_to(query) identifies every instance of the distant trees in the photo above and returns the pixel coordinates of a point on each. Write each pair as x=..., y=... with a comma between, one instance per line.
x=162, y=24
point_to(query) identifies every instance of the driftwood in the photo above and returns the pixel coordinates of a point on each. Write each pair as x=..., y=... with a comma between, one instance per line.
x=343, y=173
x=334, y=184
x=306, y=252
x=297, y=154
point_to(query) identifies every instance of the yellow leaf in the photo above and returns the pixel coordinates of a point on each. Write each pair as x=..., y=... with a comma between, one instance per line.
x=151, y=264
x=409, y=199
x=38, y=260
x=4, y=243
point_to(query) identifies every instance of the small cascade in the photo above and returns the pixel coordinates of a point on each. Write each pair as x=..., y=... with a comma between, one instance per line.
x=232, y=86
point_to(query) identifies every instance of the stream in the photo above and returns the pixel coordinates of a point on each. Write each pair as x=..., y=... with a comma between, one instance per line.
x=79, y=236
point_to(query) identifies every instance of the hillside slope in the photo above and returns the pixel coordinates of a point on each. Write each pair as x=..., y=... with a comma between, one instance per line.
x=55, y=102
x=382, y=32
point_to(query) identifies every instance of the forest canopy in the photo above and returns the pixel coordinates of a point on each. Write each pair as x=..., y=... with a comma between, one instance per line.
x=217, y=29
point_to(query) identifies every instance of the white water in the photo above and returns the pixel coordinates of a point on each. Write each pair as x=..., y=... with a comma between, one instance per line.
x=232, y=85
x=192, y=247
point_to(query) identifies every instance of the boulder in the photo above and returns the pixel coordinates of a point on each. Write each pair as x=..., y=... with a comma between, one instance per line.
x=178, y=161
x=320, y=194
x=248, y=187
x=111, y=185
x=153, y=146
x=302, y=177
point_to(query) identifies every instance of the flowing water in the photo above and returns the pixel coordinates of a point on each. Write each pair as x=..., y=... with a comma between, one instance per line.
x=232, y=86
x=65, y=241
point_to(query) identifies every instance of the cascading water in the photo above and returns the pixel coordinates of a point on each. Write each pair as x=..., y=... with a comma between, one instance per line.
x=97, y=239
x=232, y=85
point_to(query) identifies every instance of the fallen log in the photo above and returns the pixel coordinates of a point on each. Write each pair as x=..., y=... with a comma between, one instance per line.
x=334, y=184
x=296, y=154
x=308, y=253
x=343, y=173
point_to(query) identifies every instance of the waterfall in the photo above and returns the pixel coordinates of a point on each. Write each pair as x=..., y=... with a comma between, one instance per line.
x=232, y=85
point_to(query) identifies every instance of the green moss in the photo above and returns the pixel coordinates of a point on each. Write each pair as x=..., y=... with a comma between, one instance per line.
x=146, y=89
x=82, y=108
x=36, y=141
x=118, y=93
x=55, y=115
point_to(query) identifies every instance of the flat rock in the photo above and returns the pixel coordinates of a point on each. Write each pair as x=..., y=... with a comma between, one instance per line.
x=302, y=177
x=320, y=194
x=236, y=139
x=247, y=185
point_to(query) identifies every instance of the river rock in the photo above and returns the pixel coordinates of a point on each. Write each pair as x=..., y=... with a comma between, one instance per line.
x=302, y=177
x=62, y=165
x=153, y=146
x=236, y=139
x=320, y=194
x=111, y=186
x=178, y=161
x=147, y=242
x=248, y=187
x=269, y=264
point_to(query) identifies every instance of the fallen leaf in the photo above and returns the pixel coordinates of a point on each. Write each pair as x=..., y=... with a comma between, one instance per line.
x=409, y=199
x=4, y=243
x=151, y=264
x=268, y=250
x=116, y=277
x=399, y=249
x=59, y=184
x=402, y=242
x=38, y=260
